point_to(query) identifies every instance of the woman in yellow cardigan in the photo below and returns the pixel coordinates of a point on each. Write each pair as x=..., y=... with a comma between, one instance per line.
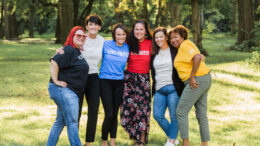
x=196, y=77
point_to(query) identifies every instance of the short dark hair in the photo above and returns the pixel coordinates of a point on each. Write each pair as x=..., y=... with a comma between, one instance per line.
x=116, y=26
x=156, y=48
x=133, y=41
x=94, y=19
x=182, y=30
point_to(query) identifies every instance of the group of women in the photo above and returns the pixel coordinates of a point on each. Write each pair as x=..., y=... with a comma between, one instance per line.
x=180, y=80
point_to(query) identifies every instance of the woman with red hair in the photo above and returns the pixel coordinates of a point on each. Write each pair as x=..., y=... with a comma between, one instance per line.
x=69, y=72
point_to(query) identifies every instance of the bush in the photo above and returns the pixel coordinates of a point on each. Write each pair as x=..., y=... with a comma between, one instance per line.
x=255, y=58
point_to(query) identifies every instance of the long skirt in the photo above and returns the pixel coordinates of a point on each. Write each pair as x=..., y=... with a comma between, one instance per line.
x=135, y=109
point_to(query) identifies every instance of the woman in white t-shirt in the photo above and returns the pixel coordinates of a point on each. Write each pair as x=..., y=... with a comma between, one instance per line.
x=92, y=53
x=167, y=86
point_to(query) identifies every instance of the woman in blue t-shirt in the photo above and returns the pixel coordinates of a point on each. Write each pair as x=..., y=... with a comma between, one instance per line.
x=115, y=55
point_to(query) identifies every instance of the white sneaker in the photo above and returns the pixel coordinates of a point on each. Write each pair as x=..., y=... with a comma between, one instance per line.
x=177, y=142
x=168, y=143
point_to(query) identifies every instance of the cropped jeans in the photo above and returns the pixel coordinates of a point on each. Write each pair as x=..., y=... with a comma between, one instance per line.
x=166, y=97
x=67, y=114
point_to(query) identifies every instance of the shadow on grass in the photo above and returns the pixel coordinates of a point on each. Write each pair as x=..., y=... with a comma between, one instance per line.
x=241, y=75
x=242, y=87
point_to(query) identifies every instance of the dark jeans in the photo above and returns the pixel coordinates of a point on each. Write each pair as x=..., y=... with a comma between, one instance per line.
x=92, y=98
x=111, y=95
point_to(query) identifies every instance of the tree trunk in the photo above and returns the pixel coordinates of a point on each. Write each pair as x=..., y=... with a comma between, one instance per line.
x=158, y=13
x=10, y=21
x=66, y=22
x=31, y=18
x=196, y=26
x=58, y=31
x=85, y=13
x=145, y=11
x=257, y=15
x=2, y=20
x=6, y=15
x=246, y=20
x=175, y=13
x=234, y=19
x=75, y=10
x=118, y=14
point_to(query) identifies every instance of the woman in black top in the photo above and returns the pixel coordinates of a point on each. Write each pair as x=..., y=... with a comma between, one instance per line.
x=69, y=72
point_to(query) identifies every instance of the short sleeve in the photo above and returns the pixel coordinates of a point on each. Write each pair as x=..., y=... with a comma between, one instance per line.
x=63, y=60
x=189, y=50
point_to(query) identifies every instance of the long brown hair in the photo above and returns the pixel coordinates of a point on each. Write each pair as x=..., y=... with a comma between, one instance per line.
x=156, y=48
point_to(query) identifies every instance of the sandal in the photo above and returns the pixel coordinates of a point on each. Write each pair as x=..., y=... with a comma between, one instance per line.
x=141, y=143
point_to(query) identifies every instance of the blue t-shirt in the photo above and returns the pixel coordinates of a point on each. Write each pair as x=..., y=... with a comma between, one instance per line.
x=114, y=60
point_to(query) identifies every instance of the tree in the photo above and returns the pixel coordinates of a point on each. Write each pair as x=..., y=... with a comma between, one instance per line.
x=245, y=20
x=197, y=25
x=85, y=12
x=2, y=20
x=10, y=20
x=175, y=13
x=158, y=13
x=145, y=11
x=234, y=19
x=75, y=10
x=31, y=18
x=66, y=22
x=118, y=13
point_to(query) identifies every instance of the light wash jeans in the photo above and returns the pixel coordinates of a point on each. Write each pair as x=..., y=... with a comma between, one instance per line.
x=166, y=97
x=67, y=114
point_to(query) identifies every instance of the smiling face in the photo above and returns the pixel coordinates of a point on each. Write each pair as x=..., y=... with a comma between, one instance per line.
x=79, y=38
x=120, y=36
x=176, y=39
x=160, y=39
x=93, y=29
x=139, y=31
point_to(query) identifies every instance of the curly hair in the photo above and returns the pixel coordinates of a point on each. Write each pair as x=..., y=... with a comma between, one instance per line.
x=180, y=29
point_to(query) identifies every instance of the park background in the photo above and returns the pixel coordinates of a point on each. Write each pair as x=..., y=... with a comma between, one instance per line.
x=227, y=31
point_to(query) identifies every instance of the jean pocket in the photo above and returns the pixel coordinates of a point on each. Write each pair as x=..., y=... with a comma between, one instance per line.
x=51, y=90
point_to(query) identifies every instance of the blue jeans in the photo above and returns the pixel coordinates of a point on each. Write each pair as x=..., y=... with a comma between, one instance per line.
x=67, y=114
x=166, y=96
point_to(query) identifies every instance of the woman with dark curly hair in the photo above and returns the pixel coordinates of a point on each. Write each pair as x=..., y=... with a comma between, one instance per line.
x=135, y=109
x=196, y=77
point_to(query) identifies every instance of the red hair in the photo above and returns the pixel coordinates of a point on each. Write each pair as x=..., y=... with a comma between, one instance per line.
x=69, y=40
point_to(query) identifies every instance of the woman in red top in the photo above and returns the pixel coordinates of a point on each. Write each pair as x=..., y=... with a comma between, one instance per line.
x=135, y=109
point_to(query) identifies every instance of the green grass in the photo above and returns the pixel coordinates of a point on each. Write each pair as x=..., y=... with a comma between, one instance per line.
x=27, y=113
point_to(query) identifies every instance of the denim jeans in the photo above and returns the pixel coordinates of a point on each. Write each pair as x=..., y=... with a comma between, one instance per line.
x=166, y=97
x=67, y=114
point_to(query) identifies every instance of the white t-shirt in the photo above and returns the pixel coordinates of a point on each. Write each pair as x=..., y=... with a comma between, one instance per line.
x=92, y=52
x=163, y=66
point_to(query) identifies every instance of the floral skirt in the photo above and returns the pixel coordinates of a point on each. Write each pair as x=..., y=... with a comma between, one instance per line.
x=135, y=109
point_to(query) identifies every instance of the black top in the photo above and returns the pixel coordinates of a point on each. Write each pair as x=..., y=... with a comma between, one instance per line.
x=73, y=69
x=178, y=84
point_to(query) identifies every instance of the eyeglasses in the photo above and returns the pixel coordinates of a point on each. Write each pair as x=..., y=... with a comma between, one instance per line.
x=80, y=36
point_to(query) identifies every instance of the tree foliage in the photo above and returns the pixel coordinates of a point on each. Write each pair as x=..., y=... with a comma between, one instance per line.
x=42, y=16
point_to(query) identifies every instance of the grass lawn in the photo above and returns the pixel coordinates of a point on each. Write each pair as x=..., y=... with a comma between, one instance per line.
x=27, y=113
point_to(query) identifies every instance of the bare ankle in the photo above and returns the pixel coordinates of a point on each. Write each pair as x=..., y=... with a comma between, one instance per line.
x=112, y=142
x=104, y=143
